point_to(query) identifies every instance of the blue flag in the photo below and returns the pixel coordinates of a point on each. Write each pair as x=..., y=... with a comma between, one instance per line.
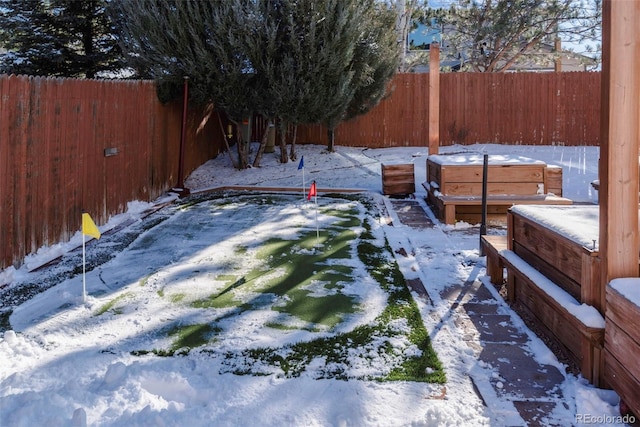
x=301, y=164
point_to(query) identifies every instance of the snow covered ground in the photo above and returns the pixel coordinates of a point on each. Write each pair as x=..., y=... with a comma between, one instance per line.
x=64, y=365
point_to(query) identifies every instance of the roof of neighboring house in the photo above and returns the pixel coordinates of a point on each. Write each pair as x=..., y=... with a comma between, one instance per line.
x=569, y=61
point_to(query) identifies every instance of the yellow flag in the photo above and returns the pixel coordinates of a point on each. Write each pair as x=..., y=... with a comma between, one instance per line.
x=89, y=227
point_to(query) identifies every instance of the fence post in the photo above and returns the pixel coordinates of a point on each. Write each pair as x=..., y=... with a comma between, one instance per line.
x=434, y=98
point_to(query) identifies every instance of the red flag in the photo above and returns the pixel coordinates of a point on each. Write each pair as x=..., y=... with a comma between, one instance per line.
x=312, y=191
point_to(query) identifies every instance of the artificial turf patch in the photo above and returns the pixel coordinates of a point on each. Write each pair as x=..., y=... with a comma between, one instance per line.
x=302, y=277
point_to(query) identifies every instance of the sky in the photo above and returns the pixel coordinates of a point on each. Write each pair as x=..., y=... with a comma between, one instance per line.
x=64, y=362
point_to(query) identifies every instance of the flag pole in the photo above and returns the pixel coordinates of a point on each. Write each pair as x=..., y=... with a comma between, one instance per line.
x=317, y=229
x=301, y=166
x=88, y=228
x=84, y=282
x=313, y=192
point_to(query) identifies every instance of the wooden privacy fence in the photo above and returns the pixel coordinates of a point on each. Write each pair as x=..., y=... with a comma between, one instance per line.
x=68, y=146
x=501, y=108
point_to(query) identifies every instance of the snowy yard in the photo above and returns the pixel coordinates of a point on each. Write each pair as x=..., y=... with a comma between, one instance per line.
x=190, y=322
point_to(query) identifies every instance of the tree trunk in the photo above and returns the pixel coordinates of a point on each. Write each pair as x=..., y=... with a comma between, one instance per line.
x=87, y=43
x=226, y=143
x=283, y=142
x=243, y=149
x=263, y=144
x=331, y=140
x=292, y=153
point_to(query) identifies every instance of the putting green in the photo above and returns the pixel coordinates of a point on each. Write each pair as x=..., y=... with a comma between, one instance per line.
x=264, y=261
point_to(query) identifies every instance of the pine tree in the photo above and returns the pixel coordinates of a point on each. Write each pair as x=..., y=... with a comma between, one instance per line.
x=273, y=59
x=338, y=32
x=292, y=61
x=64, y=38
x=204, y=40
x=377, y=59
x=357, y=53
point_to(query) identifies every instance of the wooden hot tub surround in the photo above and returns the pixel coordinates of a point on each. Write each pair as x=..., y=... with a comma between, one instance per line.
x=454, y=185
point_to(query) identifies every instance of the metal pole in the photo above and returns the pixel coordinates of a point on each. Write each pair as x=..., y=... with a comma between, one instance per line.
x=483, y=224
x=84, y=271
x=183, y=137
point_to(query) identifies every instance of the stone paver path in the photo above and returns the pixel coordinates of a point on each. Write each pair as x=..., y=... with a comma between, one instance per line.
x=533, y=389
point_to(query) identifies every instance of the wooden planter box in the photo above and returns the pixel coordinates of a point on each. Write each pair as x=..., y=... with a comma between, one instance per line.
x=554, y=278
x=553, y=180
x=398, y=179
x=571, y=264
x=454, y=186
x=561, y=318
x=461, y=175
x=622, y=342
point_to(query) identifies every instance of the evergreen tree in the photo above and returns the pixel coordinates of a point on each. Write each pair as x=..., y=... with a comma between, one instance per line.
x=274, y=52
x=293, y=61
x=377, y=59
x=65, y=38
x=204, y=40
x=353, y=47
x=338, y=34
x=323, y=61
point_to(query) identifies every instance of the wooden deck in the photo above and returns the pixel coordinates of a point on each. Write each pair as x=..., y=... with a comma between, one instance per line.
x=454, y=186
